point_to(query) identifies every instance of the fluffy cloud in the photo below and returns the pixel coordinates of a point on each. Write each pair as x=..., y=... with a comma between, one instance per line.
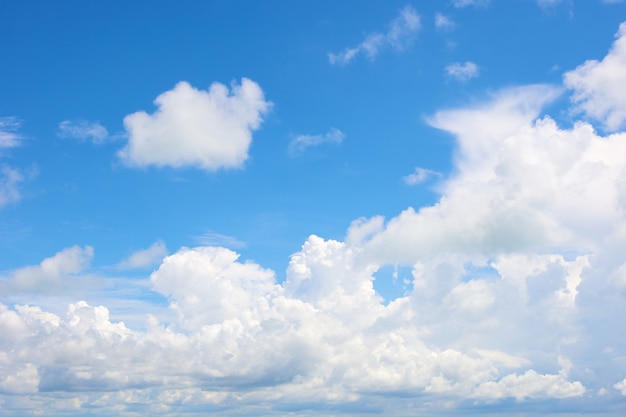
x=146, y=257
x=83, y=130
x=301, y=142
x=517, y=272
x=205, y=129
x=597, y=85
x=399, y=36
x=51, y=274
x=462, y=71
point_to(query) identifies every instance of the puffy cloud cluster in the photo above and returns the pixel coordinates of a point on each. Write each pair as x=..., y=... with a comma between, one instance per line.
x=399, y=36
x=517, y=293
x=204, y=129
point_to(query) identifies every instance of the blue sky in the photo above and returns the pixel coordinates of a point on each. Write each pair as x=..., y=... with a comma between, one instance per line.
x=313, y=208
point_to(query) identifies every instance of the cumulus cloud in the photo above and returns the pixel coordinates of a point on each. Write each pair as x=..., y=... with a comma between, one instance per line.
x=598, y=85
x=51, y=274
x=400, y=35
x=146, y=257
x=204, y=129
x=419, y=176
x=9, y=137
x=301, y=142
x=82, y=130
x=462, y=71
x=515, y=278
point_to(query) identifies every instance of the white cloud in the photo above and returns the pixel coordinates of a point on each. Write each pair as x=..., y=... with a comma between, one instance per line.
x=9, y=180
x=462, y=71
x=301, y=142
x=548, y=3
x=211, y=238
x=465, y=3
x=443, y=22
x=516, y=276
x=399, y=36
x=82, y=130
x=598, y=85
x=51, y=274
x=9, y=137
x=621, y=387
x=146, y=257
x=419, y=176
x=205, y=129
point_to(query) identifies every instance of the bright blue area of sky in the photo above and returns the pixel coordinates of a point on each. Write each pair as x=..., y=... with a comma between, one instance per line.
x=100, y=61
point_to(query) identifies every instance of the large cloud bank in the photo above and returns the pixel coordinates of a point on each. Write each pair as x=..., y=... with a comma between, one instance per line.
x=517, y=295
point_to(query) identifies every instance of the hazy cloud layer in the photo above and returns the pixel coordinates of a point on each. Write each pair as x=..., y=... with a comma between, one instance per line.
x=204, y=129
x=399, y=36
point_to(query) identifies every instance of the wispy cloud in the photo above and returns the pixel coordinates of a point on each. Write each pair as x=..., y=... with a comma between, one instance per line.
x=443, y=22
x=82, y=130
x=420, y=175
x=462, y=71
x=146, y=257
x=399, y=36
x=464, y=3
x=9, y=137
x=211, y=238
x=301, y=142
x=9, y=180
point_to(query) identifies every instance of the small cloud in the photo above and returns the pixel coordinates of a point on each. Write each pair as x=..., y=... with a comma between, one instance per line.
x=52, y=273
x=9, y=138
x=302, y=142
x=196, y=128
x=82, y=130
x=598, y=86
x=420, y=175
x=399, y=36
x=464, y=3
x=146, y=257
x=9, y=180
x=462, y=71
x=443, y=22
x=211, y=238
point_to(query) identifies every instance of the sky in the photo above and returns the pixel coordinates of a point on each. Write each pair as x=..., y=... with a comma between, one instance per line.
x=284, y=208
